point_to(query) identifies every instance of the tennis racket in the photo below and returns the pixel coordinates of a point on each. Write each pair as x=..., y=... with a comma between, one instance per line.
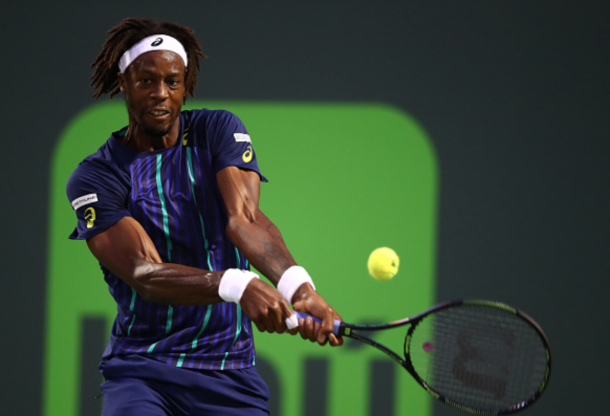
x=481, y=357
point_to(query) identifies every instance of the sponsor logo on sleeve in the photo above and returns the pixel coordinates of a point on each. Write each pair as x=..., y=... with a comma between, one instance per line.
x=84, y=200
x=90, y=216
x=242, y=137
x=247, y=156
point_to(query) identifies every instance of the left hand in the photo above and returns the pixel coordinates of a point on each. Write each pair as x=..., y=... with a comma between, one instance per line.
x=306, y=299
x=266, y=307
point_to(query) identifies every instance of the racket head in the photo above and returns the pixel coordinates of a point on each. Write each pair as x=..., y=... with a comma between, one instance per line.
x=481, y=357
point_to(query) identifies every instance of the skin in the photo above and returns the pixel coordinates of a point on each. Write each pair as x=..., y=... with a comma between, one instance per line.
x=154, y=89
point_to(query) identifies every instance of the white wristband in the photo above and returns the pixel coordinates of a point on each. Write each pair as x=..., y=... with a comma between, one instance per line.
x=233, y=283
x=291, y=280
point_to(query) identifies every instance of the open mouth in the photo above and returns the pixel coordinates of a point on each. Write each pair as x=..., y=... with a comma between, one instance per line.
x=159, y=113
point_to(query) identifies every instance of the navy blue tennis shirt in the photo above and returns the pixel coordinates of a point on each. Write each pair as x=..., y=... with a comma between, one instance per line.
x=174, y=195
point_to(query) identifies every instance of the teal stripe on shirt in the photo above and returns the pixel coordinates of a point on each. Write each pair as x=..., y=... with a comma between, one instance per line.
x=189, y=158
x=237, y=332
x=133, y=302
x=164, y=209
x=170, y=309
x=206, y=320
x=194, y=343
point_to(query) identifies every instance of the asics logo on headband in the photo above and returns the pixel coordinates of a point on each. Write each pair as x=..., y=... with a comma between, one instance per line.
x=152, y=43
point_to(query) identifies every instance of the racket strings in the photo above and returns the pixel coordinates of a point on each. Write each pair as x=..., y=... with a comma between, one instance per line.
x=479, y=356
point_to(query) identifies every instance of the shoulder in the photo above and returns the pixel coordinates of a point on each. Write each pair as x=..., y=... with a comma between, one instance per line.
x=90, y=166
x=212, y=120
x=98, y=170
x=223, y=116
x=207, y=114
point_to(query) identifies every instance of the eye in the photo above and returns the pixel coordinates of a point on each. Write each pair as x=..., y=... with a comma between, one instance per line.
x=173, y=83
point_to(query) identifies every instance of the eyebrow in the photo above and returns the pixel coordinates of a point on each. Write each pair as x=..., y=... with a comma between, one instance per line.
x=154, y=72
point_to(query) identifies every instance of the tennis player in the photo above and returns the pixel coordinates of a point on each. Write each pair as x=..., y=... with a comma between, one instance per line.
x=169, y=207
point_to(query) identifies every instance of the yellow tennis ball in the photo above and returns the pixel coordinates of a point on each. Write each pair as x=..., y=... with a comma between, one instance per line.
x=383, y=263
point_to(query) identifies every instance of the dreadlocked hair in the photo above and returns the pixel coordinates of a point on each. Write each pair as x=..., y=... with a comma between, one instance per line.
x=129, y=32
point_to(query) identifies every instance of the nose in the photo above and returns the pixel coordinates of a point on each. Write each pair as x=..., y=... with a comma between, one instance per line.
x=160, y=91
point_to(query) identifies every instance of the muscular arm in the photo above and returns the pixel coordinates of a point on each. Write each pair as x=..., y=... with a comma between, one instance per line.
x=261, y=242
x=248, y=228
x=127, y=251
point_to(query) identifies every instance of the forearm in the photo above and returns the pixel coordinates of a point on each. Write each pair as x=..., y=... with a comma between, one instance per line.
x=174, y=284
x=126, y=250
x=248, y=228
x=262, y=244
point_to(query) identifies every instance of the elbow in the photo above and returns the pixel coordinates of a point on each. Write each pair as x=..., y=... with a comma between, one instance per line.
x=233, y=230
x=142, y=282
x=238, y=224
x=151, y=295
x=147, y=293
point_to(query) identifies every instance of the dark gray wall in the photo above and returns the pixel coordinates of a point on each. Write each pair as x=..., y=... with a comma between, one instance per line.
x=514, y=95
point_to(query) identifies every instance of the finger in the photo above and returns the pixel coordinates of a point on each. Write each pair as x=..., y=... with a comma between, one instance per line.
x=269, y=322
x=303, y=328
x=308, y=329
x=327, y=327
x=260, y=326
x=279, y=325
x=335, y=341
x=315, y=336
x=279, y=313
x=321, y=340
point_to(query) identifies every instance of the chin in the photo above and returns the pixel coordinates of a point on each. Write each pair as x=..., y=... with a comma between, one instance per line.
x=157, y=131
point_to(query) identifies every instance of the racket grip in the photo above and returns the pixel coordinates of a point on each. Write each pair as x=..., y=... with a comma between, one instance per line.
x=315, y=319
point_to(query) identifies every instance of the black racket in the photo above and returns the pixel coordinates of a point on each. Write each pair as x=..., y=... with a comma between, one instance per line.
x=480, y=357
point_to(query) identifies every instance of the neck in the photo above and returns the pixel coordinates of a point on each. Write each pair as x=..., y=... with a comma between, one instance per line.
x=139, y=139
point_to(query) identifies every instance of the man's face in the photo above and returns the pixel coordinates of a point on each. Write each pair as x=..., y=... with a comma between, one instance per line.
x=154, y=89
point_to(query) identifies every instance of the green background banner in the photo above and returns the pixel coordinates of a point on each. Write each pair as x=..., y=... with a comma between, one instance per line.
x=333, y=209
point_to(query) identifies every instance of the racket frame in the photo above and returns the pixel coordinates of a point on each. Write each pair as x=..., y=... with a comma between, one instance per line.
x=347, y=329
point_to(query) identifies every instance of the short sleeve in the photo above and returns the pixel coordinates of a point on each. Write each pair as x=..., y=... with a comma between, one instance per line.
x=98, y=195
x=231, y=144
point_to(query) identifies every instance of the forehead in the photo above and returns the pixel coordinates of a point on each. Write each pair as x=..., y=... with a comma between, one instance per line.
x=161, y=62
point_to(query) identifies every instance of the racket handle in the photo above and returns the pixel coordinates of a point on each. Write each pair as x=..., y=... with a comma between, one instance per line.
x=306, y=315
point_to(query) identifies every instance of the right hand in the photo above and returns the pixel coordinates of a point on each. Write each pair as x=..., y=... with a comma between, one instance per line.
x=305, y=299
x=266, y=307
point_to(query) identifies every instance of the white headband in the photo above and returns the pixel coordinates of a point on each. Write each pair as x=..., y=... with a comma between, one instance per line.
x=152, y=43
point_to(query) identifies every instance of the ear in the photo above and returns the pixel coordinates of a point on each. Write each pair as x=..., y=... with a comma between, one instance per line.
x=122, y=81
